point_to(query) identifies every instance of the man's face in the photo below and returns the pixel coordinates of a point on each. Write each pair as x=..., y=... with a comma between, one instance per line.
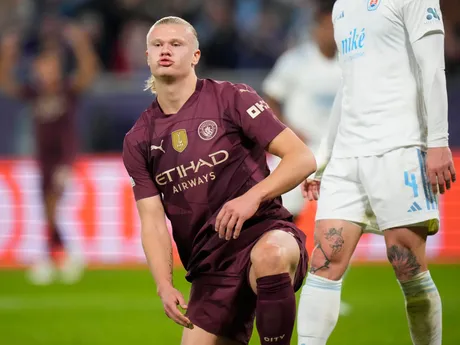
x=171, y=51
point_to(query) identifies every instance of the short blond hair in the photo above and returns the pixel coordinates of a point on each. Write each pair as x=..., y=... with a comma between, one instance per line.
x=150, y=82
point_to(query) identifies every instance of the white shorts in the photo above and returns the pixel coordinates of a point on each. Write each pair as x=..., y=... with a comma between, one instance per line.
x=379, y=192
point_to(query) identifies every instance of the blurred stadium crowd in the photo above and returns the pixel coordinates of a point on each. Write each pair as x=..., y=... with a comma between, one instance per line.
x=240, y=41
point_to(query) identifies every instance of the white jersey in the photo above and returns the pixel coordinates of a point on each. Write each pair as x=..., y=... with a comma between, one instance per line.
x=305, y=82
x=381, y=104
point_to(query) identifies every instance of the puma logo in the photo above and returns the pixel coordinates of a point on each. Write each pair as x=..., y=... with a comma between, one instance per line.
x=154, y=147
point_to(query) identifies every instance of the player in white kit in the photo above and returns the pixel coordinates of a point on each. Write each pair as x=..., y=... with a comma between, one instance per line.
x=301, y=89
x=388, y=153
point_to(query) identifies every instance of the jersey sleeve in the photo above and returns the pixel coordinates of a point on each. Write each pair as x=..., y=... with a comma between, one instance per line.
x=253, y=116
x=280, y=79
x=135, y=162
x=421, y=17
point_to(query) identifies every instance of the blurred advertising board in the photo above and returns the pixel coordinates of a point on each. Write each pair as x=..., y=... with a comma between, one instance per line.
x=99, y=218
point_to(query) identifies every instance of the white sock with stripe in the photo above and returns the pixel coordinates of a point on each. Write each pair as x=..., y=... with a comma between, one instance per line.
x=318, y=310
x=423, y=309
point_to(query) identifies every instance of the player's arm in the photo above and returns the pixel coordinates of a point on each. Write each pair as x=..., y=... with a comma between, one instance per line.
x=297, y=162
x=259, y=124
x=87, y=63
x=426, y=31
x=310, y=187
x=327, y=143
x=156, y=240
x=9, y=54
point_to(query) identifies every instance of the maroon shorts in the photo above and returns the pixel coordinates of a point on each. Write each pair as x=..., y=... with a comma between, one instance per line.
x=54, y=151
x=224, y=304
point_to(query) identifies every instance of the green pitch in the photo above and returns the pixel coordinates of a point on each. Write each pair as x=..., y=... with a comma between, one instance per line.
x=121, y=308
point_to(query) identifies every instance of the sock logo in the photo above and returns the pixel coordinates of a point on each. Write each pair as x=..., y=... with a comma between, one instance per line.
x=274, y=339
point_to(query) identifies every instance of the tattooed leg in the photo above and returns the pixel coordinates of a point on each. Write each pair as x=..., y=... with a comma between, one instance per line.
x=319, y=303
x=404, y=262
x=335, y=241
x=406, y=253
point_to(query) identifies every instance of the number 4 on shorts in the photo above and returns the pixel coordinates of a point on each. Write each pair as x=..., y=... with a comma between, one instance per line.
x=410, y=181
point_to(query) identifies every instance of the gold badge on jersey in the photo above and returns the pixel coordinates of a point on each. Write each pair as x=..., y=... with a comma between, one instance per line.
x=179, y=140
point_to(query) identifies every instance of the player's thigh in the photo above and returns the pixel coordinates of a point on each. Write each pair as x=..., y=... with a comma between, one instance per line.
x=223, y=305
x=398, y=190
x=341, y=194
x=406, y=250
x=198, y=335
x=335, y=243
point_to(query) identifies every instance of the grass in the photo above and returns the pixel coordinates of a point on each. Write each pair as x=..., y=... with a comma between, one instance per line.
x=120, y=307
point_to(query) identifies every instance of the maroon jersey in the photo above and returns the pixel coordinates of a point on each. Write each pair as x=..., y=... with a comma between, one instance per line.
x=54, y=120
x=210, y=152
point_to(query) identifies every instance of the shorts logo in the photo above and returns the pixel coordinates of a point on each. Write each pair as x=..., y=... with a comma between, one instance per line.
x=372, y=5
x=132, y=181
x=415, y=207
x=179, y=140
x=207, y=130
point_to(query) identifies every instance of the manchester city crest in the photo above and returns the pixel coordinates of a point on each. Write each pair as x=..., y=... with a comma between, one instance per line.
x=207, y=130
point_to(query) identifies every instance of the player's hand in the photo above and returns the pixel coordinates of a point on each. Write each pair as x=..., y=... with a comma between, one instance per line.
x=234, y=213
x=172, y=299
x=310, y=189
x=440, y=168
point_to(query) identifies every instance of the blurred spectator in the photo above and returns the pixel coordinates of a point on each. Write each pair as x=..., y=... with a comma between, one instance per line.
x=53, y=92
x=264, y=41
x=242, y=38
x=217, y=33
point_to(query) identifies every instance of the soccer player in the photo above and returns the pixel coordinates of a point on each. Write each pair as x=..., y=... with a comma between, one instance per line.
x=53, y=98
x=390, y=154
x=197, y=155
x=301, y=88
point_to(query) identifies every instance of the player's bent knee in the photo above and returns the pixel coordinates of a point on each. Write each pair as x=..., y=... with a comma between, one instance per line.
x=270, y=260
x=275, y=255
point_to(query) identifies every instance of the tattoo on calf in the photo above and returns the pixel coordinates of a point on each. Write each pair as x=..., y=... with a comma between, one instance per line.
x=404, y=262
x=332, y=235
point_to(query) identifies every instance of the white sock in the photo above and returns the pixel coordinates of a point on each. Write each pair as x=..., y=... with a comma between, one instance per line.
x=423, y=309
x=318, y=310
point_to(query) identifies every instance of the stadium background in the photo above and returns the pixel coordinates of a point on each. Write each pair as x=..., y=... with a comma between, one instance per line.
x=116, y=301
